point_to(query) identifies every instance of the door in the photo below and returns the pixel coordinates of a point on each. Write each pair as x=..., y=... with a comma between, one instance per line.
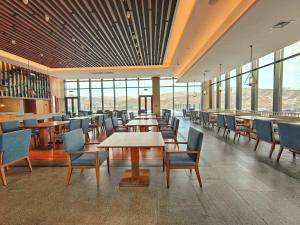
x=71, y=105
x=145, y=104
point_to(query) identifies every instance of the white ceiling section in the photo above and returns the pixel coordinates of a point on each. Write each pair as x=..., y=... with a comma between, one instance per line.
x=255, y=28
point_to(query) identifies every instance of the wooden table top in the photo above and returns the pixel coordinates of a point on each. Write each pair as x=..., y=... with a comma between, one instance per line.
x=46, y=124
x=133, y=140
x=145, y=117
x=80, y=117
x=247, y=117
x=149, y=122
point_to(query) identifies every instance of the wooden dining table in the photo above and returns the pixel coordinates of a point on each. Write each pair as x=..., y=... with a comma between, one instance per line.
x=145, y=117
x=44, y=131
x=143, y=125
x=135, y=177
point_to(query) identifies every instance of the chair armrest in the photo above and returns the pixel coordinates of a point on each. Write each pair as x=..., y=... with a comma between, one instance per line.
x=183, y=152
x=174, y=142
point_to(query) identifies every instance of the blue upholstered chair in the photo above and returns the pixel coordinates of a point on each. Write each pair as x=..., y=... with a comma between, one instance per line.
x=237, y=128
x=208, y=120
x=118, y=127
x=74, y=124
x=95, y=125
x=131, y=115
x=78, y=158
x=65, y=117
x=10, y=126
x=84, y=123
x=14, y=146
x=56, y=118
x=168, y=126
x=221, y=123
x=289, y=135
x=171, y=134
x=108, y=126
x=35, y=132
x=265, y=132
x=187, y=159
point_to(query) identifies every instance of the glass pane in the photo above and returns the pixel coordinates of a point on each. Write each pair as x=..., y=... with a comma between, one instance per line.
x=120, y=98
x=266, y=59
x=265, y=86
x=96, y=100
x=246, y=89
x=84, y=99
x=166, y=82
x=108, y=83
x=71, y=85
x=132, y=83
x=71, y=93
x=108, y=98
x=232, y=89
x=145, y=83
x=96, y=84
x=145, y=91
x=180, y=100
x=222, y=92
x=291, y=85
x=120, y=83
x=132, y=99
x=292, y=49
x=194, y=96
x=214, y=92
x=84, y=84
x=166, y=97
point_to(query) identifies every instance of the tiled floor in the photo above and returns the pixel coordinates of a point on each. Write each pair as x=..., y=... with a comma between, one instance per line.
x=239, y=187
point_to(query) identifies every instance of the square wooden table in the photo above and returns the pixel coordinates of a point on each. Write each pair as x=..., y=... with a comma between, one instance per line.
x=145, y=117
x=142, y=124
x=135, y=177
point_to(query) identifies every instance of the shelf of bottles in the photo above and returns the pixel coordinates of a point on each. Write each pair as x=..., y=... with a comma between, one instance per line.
x=17, y=81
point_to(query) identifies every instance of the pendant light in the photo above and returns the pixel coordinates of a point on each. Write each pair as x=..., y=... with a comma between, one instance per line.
x=194, y=94
x=250, y=80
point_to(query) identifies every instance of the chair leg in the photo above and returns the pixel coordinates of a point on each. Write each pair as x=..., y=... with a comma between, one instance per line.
x=235, y=134
x=29, y=163
x=279, y=153
x=175, y=139
x=108, y=169
x=218, y=129
x=198, y=175
x=81, y=170
x=3, y=175
x=168, y=177
x=70, y=170
x=256, y=144
x=224, y=132
x=272, y=150
x=97, y=175
x=294, y=155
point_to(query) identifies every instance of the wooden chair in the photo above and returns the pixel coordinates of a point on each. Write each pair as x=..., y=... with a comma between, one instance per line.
x=289, y=135
x=171, y=134
x=265, y=132
x=221, y=123
x=35, y=132
x=232, y=125
x=14, y=146
x=78, y=158
x=9, y=126
x=187, y=159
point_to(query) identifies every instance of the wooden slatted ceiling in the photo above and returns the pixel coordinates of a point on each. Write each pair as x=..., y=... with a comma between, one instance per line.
x=87, y=33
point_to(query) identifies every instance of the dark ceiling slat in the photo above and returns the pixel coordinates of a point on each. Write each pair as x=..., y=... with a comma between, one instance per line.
x=87, y=32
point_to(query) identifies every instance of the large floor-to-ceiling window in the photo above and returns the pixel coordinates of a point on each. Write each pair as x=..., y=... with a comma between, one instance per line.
x=291, y=80
x=122, y=94
x=222, y=92
x=265, y=83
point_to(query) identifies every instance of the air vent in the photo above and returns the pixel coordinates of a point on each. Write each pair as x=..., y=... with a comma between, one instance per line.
x=281, y=24
x=103, y=73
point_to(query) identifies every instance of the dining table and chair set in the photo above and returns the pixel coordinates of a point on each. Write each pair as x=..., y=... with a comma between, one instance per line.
x=131, y=132
x=278, y=131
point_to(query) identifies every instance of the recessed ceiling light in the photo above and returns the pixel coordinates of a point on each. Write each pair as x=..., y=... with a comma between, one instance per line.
x=282, y=24
x=42, y=55
x=47, y=18
x=25, y=2
x=128, y=14
x=13, y=42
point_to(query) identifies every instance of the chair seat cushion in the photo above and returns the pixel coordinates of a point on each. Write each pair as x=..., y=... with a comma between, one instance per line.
x=168, y=133
x=89, y=159
x=121, y=129
x=180, y=160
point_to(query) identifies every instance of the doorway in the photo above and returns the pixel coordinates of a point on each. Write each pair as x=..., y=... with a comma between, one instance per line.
x=145, y=104
x=71, y=105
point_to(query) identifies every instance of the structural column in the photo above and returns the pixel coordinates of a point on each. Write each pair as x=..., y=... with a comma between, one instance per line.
x=254, y=87
x=239, y=89
x=156, y=94
x=227, y=91
x=277, y=88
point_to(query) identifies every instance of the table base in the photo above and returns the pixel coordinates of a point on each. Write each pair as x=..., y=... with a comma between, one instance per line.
x=128, y=180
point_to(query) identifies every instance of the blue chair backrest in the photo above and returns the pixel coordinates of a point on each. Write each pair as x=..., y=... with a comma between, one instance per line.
x=28, y=122
x=201, y=117
x=230, y=120
x=74, y=124
x=289, y=135
x=85, y=125
x=14, y=145
x=73, y=142
x=221, y=121
x=10, y=126
x=101, y=120
x=65, y=117
x=131, y=115
x=115, y=121
x=109, y=128
x=264, y=130
x=56, y=118
x=173, y=121
x=176, y=124
x=205, y=117
x=195, y=139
